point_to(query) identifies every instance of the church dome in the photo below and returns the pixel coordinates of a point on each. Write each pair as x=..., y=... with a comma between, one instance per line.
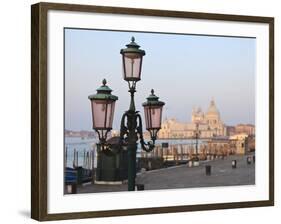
x=213, y=111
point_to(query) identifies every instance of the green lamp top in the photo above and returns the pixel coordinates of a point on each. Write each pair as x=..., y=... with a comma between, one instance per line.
x=152, y=100
x=103, y=93
x=132, y=47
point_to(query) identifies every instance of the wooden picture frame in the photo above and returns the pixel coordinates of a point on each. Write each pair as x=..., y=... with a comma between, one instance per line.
x=39, y=110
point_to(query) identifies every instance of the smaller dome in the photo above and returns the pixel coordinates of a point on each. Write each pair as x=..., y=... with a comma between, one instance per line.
x=197, y=111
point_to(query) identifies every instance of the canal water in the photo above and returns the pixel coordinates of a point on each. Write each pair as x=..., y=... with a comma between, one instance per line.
x=84, y=145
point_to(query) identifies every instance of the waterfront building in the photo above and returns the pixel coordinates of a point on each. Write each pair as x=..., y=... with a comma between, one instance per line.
x=209, y=124
x=230, y=130
x=248, y=129
x=79, y=134
x=240, y=143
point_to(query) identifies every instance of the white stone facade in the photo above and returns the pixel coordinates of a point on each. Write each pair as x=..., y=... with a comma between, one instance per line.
x=208, y=125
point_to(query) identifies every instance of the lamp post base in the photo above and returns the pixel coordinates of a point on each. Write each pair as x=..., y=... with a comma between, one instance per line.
x=132, y=167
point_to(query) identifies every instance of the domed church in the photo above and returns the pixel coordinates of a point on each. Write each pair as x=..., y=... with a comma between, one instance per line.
x=208, y=124
x=210, y=121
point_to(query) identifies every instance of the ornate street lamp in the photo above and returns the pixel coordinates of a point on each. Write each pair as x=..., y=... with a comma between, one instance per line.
x=103, y=105
x=131, y=122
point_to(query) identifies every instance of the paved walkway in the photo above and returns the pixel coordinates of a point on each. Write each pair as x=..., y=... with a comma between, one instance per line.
x=222, y=174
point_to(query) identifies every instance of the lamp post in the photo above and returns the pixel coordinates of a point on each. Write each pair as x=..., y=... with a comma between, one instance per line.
x=197, y=135
x=131, y=131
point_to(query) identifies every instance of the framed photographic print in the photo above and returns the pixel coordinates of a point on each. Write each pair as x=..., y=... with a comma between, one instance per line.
x=141, y=111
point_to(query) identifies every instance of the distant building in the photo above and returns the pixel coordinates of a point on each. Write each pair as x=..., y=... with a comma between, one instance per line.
x=230, y=130
x=209, y=125
x=248, y=129
x=79, y=134
x=115, y=133
x=240, y=143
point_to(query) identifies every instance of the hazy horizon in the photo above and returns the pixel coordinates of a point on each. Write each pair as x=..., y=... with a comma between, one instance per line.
x=184, y=70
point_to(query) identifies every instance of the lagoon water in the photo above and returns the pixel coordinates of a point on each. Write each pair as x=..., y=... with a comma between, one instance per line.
x=89, y=145
x=81, y=146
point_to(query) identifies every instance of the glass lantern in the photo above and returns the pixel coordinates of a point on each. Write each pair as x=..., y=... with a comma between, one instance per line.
x=103, y=105
x=153, y=114
x=132, y=61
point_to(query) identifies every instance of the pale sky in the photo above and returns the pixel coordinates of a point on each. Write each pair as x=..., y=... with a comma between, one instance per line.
x=184, y=70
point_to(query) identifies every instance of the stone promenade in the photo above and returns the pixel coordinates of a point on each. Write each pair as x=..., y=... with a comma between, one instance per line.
x=222, y=174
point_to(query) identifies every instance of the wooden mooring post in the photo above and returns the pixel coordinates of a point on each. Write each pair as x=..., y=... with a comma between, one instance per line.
x=65, y=158
x=84, y=158
x=74, y=158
